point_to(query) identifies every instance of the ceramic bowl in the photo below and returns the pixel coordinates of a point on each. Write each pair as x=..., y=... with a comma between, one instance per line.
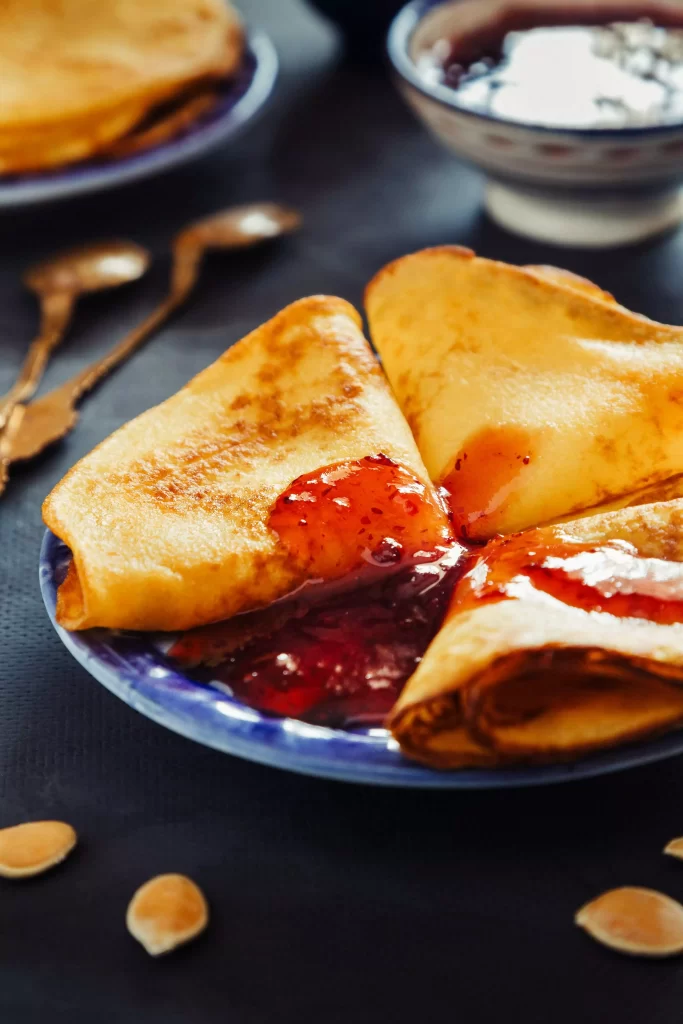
x=595, y=187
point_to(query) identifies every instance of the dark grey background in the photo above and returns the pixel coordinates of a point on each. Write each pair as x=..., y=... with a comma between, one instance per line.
x=331, y=904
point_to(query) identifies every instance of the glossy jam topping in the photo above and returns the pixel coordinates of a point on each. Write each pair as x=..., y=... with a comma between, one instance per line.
x=371, y=510
x=610, y=578
x=572, y=76
x=343, y=662
x=490, y=467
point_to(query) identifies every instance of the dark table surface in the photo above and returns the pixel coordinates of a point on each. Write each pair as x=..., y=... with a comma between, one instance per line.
x=332, y=904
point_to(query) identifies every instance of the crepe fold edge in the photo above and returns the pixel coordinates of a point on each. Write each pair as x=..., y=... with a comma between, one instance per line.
x=450, y=731
x=93, y=581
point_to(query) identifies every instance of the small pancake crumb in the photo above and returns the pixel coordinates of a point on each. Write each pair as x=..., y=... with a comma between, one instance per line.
x=166, y=912
x=34, y=847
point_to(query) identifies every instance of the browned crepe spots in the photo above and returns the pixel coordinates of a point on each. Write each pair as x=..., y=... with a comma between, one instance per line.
x=168, y=518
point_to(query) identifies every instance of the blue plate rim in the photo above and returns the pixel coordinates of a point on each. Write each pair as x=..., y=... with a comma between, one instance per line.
x=88, y=177
x=214, y=719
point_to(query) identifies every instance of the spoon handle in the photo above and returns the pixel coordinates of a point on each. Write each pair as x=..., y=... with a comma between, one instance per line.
x=87, y=378
x=184, y=275
x=56, y=311
x=32, y=428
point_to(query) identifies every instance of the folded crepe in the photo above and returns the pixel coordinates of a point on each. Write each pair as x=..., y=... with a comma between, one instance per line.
x=531, y=393
x=568, y=279
x=78, y=74
x=286, y=461
x=557, y=642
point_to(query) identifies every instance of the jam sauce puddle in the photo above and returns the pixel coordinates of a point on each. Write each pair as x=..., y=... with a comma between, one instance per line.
x=610, y=578
x=343, y=659
x=341, y=663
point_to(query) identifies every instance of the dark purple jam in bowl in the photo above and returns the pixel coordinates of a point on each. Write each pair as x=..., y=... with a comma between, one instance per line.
x=619, y=75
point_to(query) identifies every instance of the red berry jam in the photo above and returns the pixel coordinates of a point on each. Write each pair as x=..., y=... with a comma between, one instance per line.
x=610, y=578
x=492, y=466
x=367, y=511
x=341, y=663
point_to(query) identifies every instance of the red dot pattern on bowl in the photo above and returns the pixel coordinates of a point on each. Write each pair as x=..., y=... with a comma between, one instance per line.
x=554, y=149
x=621, y=154
x=499, y=141
x=559, y=152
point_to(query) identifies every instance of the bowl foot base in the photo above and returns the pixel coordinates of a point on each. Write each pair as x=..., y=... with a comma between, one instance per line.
x=595, y=223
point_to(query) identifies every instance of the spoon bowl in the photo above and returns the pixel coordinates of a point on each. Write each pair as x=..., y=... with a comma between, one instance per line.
x=88, y=268
x=239, y=227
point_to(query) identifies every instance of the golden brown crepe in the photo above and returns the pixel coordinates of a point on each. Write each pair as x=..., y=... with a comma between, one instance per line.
x=558, y=641
x=532, y=395
x=168, y=519
x=78, y=74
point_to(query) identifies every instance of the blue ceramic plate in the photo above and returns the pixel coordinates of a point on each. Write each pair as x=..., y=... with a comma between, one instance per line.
x=133, y=668
x=241, y=100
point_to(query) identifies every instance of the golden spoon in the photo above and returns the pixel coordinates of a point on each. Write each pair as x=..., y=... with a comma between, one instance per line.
x=33, y=427
x=58, y=282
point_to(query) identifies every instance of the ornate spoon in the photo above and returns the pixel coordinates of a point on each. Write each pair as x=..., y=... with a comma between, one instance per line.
x=33, y=427
x=58, y=282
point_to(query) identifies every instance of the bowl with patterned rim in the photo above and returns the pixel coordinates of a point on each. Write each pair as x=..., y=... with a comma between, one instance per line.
x=239, y=102
x=134, y=667
x=594, y=187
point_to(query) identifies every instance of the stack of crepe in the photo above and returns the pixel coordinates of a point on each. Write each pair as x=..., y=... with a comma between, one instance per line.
x=529, y=395
x=79, y=76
